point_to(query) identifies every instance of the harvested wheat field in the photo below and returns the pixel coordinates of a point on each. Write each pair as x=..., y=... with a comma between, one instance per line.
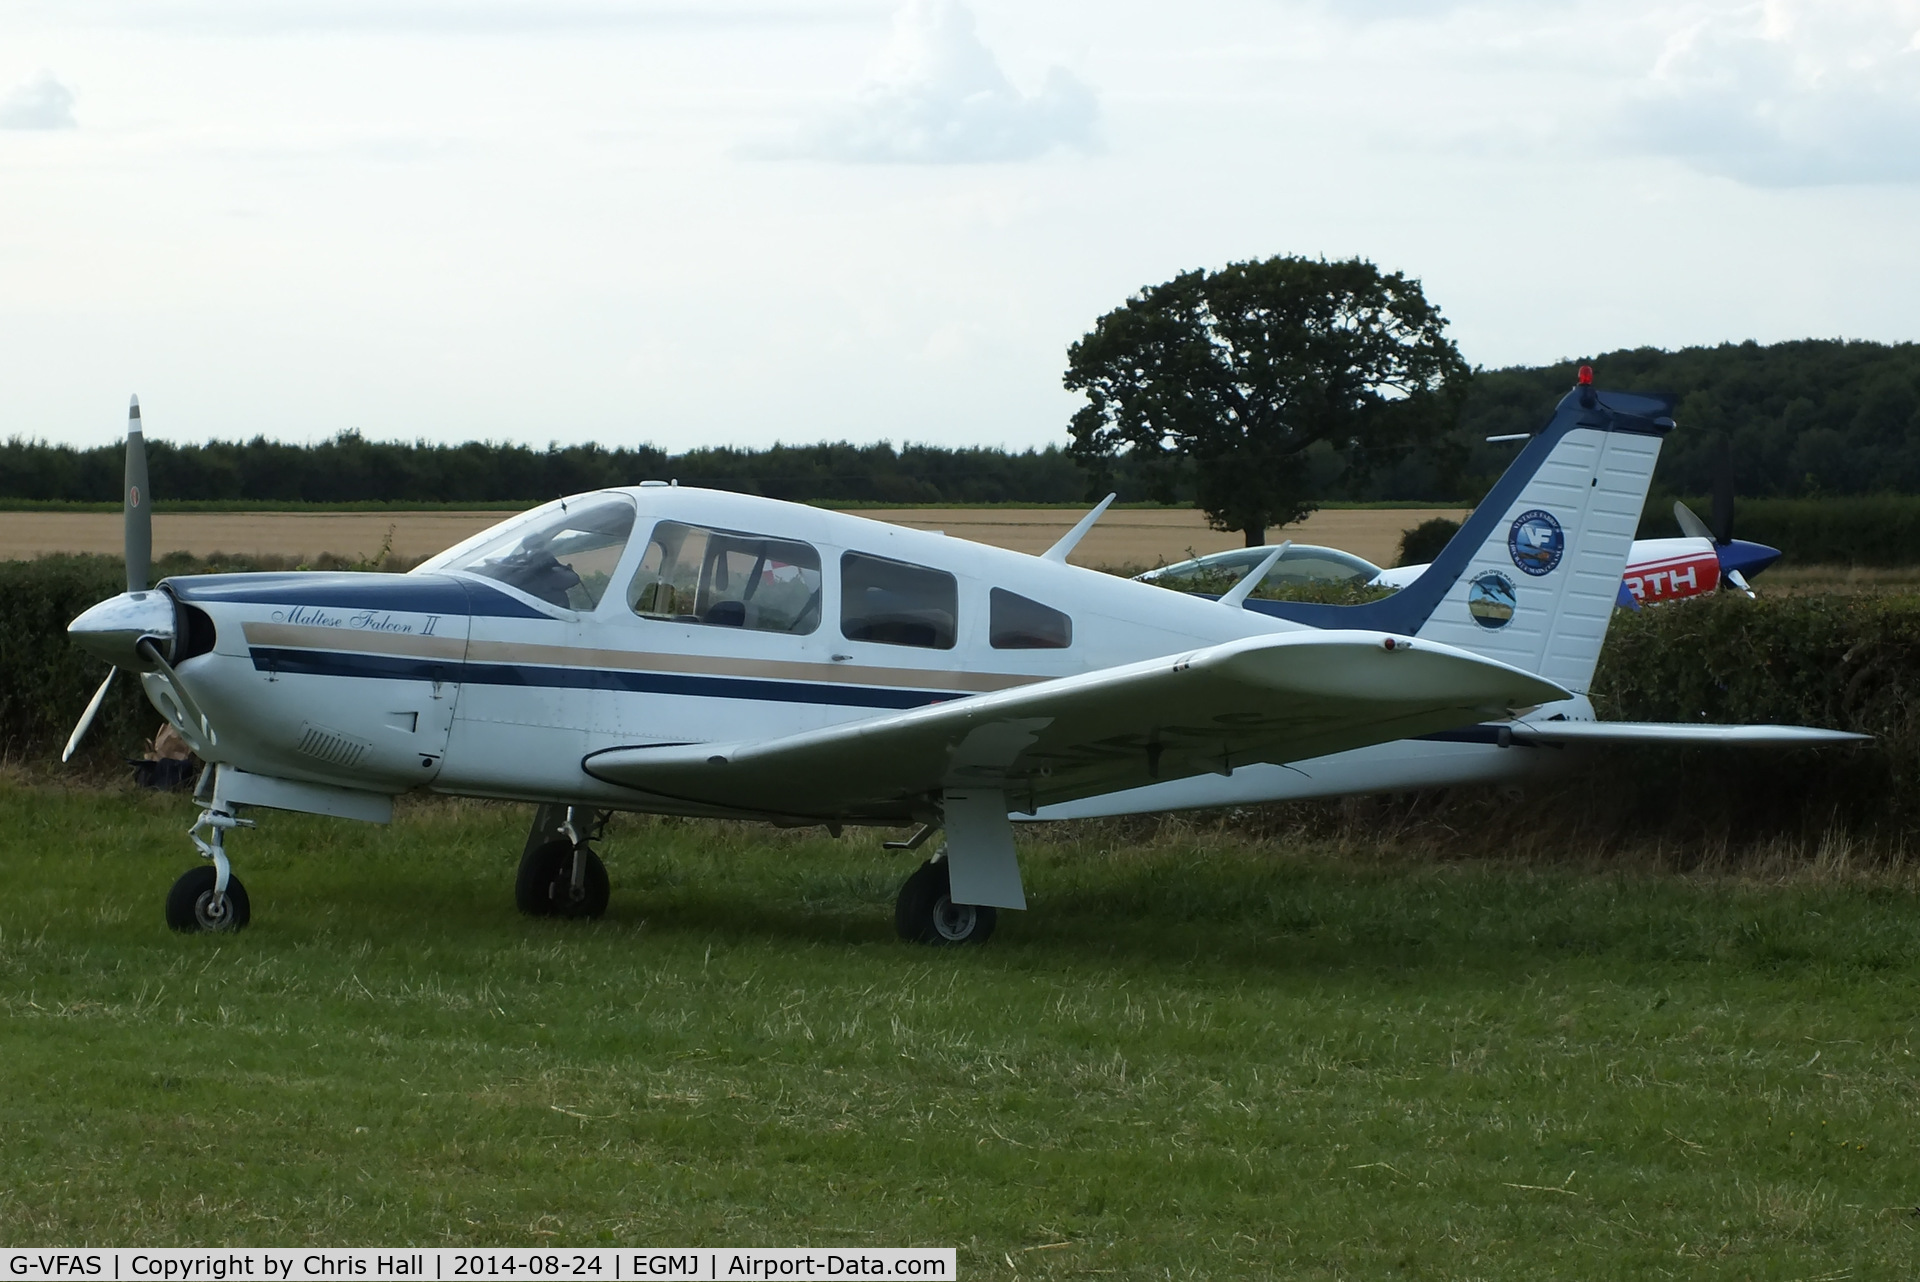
x=1152, y=536
x=1130, y=537
x=300, y=535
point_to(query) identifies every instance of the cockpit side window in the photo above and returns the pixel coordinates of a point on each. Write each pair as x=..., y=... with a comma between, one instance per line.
x=728, y=579
x=1021, y=623
x=564, y=560
x=895, y=603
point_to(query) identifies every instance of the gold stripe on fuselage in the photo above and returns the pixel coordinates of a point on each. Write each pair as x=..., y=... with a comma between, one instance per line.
x=307, y=637
x=304, y=636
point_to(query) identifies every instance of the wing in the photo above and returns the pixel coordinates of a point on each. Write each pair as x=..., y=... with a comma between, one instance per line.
x=1657, y=732
x=1273, y=698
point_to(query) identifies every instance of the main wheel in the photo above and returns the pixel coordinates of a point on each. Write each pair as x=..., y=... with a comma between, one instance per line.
x=544, y=887
x=193, y=907
x=926, y=914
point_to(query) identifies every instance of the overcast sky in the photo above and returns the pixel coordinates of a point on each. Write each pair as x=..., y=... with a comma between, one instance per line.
x=741, y=221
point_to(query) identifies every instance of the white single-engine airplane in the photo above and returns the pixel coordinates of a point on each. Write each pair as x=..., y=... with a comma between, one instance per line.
x=683, y=651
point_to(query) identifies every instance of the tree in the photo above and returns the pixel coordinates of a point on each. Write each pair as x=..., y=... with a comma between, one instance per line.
x=1245, y=371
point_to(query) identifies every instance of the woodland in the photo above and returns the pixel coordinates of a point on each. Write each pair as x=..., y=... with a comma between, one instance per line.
x=1808, y=419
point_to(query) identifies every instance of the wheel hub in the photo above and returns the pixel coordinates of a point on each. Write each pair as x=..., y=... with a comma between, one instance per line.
x=954, y=921
x=211, y=911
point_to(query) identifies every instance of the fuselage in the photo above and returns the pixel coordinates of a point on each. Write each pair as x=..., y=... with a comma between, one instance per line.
x=470, y=675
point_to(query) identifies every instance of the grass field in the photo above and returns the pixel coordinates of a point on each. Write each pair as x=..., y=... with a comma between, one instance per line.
x=1793, y=580
x=1194, y=1057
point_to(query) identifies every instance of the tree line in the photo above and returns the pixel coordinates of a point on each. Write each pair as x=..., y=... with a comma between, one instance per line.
x=350, y=469
x=1809, y=418
x=1812, y=418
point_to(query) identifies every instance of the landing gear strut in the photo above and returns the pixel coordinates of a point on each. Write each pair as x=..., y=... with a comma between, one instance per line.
x=210, y=899
x=560, y=875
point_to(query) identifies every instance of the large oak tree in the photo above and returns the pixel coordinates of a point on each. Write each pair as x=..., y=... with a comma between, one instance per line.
x=1242, y=371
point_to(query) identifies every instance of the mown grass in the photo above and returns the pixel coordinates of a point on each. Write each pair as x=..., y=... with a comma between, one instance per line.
x=1196, y=1056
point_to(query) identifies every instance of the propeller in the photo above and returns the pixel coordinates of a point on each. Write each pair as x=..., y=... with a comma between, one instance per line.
x=139, y=549
x=1720, y=533
x=138, y=508
x=86, y=718
x=1723, y=492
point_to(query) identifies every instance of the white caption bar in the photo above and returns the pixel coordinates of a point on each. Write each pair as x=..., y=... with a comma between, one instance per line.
x=513, y=1264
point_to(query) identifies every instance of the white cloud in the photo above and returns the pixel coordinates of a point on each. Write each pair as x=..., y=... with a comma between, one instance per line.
x=937, y=95
x=1790, y=93
x=40, y=103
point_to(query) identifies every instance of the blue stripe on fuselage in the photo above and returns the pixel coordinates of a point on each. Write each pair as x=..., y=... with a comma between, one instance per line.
x=330, y=663
x=350, y=590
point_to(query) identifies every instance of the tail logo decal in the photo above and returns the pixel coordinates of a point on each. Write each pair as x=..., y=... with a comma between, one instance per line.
x=1490, y=600
x=1536, y=542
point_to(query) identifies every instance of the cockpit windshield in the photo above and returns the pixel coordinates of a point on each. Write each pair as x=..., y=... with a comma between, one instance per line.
x=566, y=559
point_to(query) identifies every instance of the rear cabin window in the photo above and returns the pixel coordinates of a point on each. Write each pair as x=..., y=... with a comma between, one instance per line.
x=1021, y=623
x=895, y=603
x=727, y=579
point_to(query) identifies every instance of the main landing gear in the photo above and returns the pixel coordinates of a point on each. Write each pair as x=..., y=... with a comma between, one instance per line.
x=560, y=876
x=955, y=897
x=210, y=898
x=926, y=914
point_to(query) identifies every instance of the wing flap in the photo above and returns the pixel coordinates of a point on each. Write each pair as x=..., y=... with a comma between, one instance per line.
x=1271, y=698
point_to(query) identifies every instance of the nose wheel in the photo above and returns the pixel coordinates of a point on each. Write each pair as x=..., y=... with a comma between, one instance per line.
x=195, y=907
x=210, y=898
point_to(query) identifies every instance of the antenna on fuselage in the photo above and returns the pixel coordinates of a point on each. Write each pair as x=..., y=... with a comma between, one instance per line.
x=1236, y=596
x=1071, y=539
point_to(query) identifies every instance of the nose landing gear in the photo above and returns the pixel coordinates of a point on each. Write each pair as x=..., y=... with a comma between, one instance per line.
x=560, y=875
x=210, y=899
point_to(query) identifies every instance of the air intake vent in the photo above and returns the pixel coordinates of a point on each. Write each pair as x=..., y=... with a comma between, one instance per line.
x=331, y=746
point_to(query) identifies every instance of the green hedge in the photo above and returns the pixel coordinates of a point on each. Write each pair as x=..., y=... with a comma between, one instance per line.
x=1842, y=662
x=1870, y=530
x=45, y=680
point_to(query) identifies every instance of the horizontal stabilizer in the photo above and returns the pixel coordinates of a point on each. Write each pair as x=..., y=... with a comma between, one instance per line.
x=1656, y=732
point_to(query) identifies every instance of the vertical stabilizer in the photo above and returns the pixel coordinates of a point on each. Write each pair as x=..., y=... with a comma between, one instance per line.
x=1532, y=576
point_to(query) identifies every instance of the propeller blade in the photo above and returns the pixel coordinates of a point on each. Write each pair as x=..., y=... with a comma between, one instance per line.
x=198, y=731
x=1690, y=523
x=1738, y=580
x=1723, y=493
x=86, y=718
x=139, y=508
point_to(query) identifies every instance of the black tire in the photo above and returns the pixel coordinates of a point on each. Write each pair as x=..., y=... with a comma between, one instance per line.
x=191, y=906
x=926, y=914
x=544, y=887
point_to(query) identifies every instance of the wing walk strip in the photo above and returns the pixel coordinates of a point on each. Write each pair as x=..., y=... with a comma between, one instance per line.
x=296, y=648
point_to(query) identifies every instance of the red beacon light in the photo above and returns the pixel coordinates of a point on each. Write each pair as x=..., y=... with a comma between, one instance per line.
x=1585, y=376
